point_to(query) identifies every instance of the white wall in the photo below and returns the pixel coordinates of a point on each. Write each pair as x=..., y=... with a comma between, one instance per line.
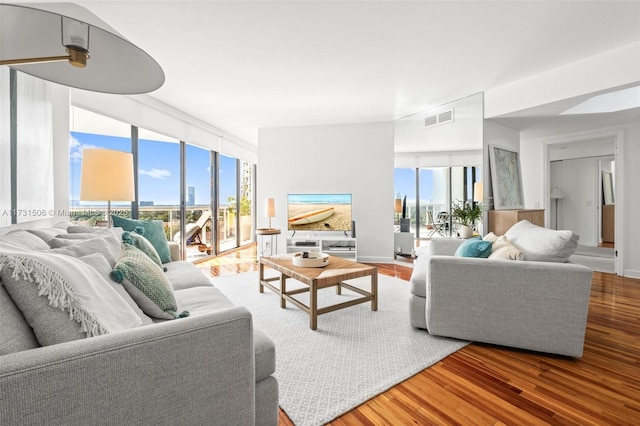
x=456, y=143
x=348, y=158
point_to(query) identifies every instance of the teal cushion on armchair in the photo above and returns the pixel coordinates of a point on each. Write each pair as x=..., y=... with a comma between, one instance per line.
x=474, y=247
x=153, y=231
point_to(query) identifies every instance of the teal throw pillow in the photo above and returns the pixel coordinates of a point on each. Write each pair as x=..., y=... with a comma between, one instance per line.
x=474, y=247
x=146, y=283
x=142, y=244
x=153, y=231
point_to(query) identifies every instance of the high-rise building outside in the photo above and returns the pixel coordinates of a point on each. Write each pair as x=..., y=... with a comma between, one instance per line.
x=191, y=196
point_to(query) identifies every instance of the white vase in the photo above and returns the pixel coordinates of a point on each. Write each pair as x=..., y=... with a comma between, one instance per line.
x=465, y=231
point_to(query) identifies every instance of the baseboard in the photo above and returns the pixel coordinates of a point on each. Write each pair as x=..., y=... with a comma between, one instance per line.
x=632, y=273
x=375, y=259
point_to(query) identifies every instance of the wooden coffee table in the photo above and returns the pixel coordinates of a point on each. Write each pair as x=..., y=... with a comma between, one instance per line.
x=331, y=275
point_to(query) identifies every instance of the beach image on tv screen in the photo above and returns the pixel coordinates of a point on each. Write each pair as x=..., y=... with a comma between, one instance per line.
x=319, y=212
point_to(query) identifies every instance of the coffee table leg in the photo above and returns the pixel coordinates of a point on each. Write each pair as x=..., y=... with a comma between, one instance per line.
x=261, y=278
x=374, y=291
x=313, y=305
x=338, y=288
x=283, y=290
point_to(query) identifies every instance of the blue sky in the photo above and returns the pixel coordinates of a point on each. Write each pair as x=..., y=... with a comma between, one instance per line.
x=405, y=184
x=158, y=168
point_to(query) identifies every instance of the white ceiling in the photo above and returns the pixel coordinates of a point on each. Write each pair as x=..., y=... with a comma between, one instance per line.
x=242, y=65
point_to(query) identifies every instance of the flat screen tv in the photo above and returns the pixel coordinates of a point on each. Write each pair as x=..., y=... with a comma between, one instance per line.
x=319, y=212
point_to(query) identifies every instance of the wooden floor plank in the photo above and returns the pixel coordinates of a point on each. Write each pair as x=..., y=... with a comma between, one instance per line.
x=484, y=384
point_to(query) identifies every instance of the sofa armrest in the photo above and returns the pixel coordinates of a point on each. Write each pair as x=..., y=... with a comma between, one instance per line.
x=540, y=306
x=174, y=251
x=196, y=370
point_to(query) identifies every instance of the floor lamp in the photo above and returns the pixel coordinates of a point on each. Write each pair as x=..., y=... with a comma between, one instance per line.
x=107, y=175
x=67, y=44
x=556, y=194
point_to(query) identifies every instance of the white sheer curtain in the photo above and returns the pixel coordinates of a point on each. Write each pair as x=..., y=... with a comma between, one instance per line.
x=34, y=149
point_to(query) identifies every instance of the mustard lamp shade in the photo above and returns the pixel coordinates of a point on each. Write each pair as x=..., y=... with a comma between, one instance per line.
x=107, y=175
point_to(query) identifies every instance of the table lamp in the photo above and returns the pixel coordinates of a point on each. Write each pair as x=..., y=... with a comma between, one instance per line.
x=397, y=207
x=106, y=175
x=270, y=208
x=478, y=192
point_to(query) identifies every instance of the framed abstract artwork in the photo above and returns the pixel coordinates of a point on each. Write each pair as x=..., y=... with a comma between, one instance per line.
x=506, y=178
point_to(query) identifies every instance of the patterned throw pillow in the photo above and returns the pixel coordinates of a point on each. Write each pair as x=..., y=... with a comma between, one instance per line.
x=142, y=244
x=153, y=231
x=146, y=283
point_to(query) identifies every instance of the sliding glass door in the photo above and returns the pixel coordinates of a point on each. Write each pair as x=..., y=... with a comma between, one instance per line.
x=430, y=196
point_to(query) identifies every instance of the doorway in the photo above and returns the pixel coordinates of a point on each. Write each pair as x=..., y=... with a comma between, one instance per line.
x=575, y=190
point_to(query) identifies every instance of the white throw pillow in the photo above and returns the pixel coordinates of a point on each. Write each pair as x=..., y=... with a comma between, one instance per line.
x=542, y=244
x=502, y=248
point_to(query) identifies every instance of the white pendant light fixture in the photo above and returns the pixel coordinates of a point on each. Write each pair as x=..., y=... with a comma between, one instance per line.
x=44, y=39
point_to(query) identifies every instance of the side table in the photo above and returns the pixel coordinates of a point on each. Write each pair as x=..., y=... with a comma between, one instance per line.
x=271, y=233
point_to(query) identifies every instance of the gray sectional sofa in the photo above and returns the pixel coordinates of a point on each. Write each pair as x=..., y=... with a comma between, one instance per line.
x=538, y=302
x=211, y=367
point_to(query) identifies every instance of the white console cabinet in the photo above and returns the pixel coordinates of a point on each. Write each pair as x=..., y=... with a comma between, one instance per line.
x=335, y=245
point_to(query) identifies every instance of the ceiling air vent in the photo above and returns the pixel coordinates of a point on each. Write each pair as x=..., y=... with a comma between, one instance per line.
x=445, y=116
x=431, y=121
x=441, y=118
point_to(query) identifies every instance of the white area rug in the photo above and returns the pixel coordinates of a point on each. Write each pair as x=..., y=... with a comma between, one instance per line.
x=354, y=354
x=597, y=258
x=604, y=252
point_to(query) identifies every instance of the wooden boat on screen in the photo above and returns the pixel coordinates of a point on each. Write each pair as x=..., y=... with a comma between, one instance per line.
x=311, y=217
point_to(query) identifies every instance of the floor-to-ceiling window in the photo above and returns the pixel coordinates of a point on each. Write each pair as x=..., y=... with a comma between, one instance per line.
x=89, y=130
x=429, y=197
x=227, y=199
x=198, y=182
x=247, y=191
x=217, y=191
x=433, y=199
x=405, y=186
x=159, y=181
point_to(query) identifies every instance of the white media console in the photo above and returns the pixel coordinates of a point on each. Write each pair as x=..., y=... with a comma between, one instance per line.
x=333, y=245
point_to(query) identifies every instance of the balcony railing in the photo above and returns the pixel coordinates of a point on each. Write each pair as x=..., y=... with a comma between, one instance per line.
x=434, y=208
x=170, y=216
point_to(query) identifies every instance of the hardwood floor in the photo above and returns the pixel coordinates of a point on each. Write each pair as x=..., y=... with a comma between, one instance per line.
x=484, y=384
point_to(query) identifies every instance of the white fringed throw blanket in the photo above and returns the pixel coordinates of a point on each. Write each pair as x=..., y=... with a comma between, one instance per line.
x=74, y=287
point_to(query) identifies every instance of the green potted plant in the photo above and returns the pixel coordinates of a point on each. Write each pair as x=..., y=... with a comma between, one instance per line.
x=466, y=215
